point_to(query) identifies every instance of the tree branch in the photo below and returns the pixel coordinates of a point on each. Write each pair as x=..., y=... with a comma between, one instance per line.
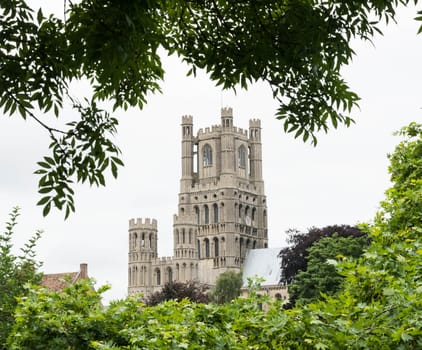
x=32, y=115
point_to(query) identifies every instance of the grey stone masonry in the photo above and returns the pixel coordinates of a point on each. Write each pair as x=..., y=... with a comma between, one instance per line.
x=221, y=214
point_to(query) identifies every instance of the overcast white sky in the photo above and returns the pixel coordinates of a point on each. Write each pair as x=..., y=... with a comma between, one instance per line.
x=341, y=181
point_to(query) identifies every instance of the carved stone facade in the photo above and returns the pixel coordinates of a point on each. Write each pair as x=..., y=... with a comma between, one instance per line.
x=222, y=209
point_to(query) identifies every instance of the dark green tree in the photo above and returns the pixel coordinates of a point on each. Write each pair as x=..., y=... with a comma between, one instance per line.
x=178, y=291
x=297, y=47
x=321, y=275
x=15, y=272
x=227, y=287
x=294, y=258
x=380, y=304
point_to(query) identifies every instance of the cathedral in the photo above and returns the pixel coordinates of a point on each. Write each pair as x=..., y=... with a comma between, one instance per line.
x=221, y=214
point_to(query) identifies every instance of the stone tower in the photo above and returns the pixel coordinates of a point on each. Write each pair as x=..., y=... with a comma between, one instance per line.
x=142, y=251
x=221, y=213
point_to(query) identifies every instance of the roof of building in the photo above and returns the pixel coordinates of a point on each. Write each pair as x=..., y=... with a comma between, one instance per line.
x=264, y=263
x=58, y=281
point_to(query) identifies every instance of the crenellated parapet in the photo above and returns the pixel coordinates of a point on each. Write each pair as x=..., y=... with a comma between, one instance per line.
x=187, y=119
x=212, y=132
x=255, y=130
x=143, y=224
x=183, y=220
x=254, y=123
x=227, y=112
x=215, y=131
x=240, y=132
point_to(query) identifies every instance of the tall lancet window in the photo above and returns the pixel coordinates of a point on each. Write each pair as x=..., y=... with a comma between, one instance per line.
x=197, y=215
x=207, y=155
x=158, y=276
x=242, y=157
x=207, y=247
x=215, y=207
x=207, y=214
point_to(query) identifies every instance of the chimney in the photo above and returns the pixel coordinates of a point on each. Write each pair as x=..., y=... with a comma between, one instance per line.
x=83, y=271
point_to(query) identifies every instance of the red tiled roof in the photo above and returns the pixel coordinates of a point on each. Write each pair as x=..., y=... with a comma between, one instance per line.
x=58, y=281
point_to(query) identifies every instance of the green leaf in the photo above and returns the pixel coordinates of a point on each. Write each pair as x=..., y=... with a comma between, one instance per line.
x=114, y=170
x=45, y=189
x=49, y=160
x=39, y=16
x=117, y=161
x=67, y=213
x=46, y=209
x=44, y=165
x=56, y=110
x=43, y=200
x=22, y=111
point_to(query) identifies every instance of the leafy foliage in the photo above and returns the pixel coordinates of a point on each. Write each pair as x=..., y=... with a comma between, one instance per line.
x=70, y=319
x=227, y=287
x=297, y=47
x=379, y=306
x=295, y=257
x=320, y=276
x=178, y=291
x=75, y=319
x=87, y=157
x=15, y=272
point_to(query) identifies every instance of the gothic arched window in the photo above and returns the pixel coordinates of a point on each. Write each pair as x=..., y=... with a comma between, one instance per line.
x=249, y=161
x=216, y=247
x=215, y=206
x=158, y=275
x=136, y=275
x=198, y=216
x=265, y=218
x=247, y=210
x=207, y=247
x=177, y=271
x=170, y=274
x=242, y=157
x=207, y=155
x=207, y=214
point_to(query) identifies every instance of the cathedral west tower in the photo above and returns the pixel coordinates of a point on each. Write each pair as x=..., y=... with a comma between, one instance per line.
x=221, y=212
